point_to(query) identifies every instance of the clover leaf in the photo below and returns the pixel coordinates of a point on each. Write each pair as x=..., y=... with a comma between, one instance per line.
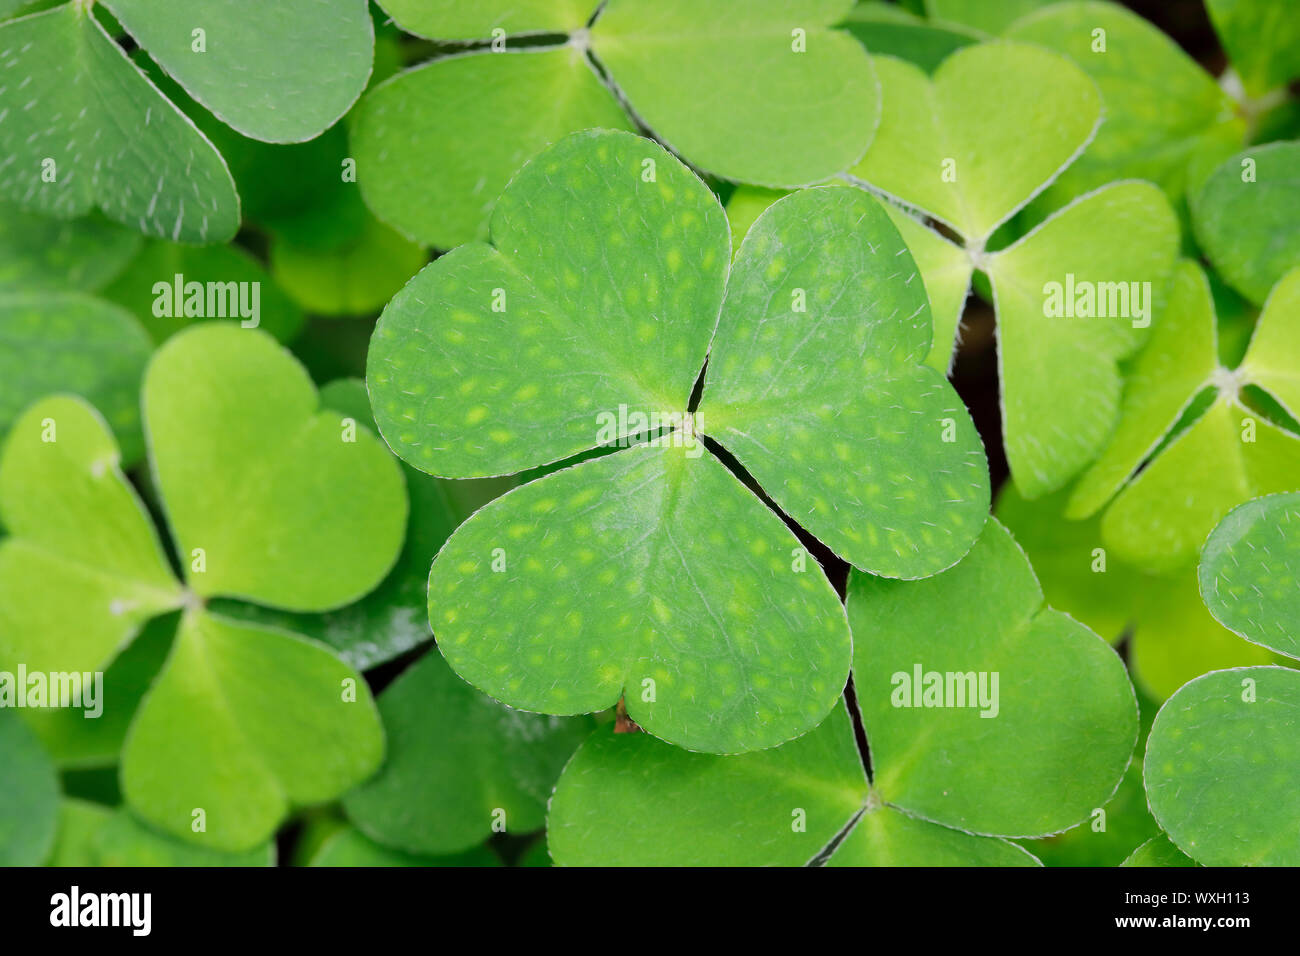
x=1250, y=572
x=637, y=547
x=91, y=834
x=460, y=766
x=761, y=92
x=66, y=341
x=1228, y=453
x=942, y=152
x=1220, y=767
x=989, y=18
x=267, y=499
x=1260, y=186
x=886, y=28
x=1056, y=746
x=29, y=798
x=1161, y=106
x=82, y=127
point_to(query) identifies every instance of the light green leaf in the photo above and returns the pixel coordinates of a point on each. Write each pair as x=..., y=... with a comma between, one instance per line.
x=245, y=723
x=119, y=840
x=1032, y=758
x=394, y=617
x=29, y=799
x=42, y=254
x=460, y=765
x=1250, y=572
x=888, y=837
x=1228, y=456
x=349, y=847
x=286, y=510
x=1221, y=764
x=1261, y=187
x=746, y=204
x=82, y=127
x=1176, y=364
x=599, y=289
x=760, y=91
x=77, y=528
x=814, y=384
x=457, y=20
x=1111, y=248
x=299, y=64
x=1272, y=360
x=1158, y=852
x=623, y=575
x=1160, y=105
x=435, y=146
x=68, y=342
x=148, y=289
x=1261, y=38
x=943, y=144
x=354, y=277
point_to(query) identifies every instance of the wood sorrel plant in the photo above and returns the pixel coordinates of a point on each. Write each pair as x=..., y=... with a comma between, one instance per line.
x=608, y=264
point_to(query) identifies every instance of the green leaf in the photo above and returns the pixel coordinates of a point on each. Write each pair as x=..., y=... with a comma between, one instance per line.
x=610, y=287
x=456, y=20
x=1260, y=186
x=1119, y=243
x=311, y=56
x=69, y=342
x=946, y=270
x=123, y=841
x=125, y=149
x=349, y=847
x=42, y=254
x=243, y=723
x=760, y=91
x=1228, y=456
x=435, y=146
x=287, y=511
x=394, y=617
x=147, y=288
x=1176, y=364
x=944, y=144
x=622, y=575
x=630, y=800
x=357, y=276
x=79, y=821
x=1059, y=730
x=814, y=385
x=76, y=528
x=460, y=766
x=746, y=204
x=1158, y=852
x=1261, y=38
x=29, y=798
x=1250, y=572
x=1220, y=767
x=1160, y=105
x=1272, y=359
